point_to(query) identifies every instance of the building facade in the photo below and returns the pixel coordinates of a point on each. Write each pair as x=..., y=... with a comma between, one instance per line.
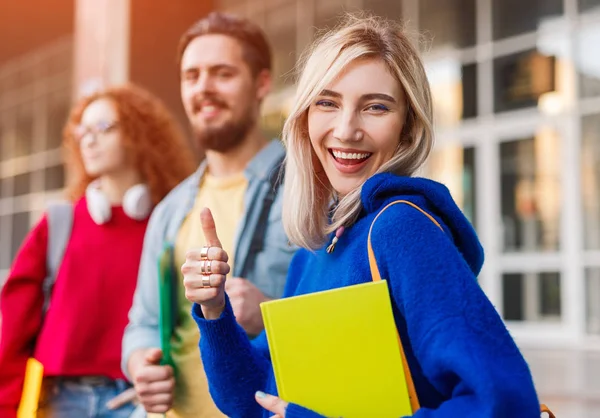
x=516, y=87
x=517, y=110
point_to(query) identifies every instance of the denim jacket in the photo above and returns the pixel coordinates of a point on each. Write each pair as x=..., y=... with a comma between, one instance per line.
x=265, y=267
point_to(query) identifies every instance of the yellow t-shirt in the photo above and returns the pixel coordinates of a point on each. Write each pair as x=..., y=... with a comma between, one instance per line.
x=225, y=198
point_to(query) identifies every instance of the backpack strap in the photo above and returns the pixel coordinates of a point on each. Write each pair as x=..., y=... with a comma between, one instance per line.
x=376, y=276
x=275, y=179
x=60, y=224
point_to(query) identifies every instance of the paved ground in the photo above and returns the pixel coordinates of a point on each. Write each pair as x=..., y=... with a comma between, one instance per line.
x=567, y=381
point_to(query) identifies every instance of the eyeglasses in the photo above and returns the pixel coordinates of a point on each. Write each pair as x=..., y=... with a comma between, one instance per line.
x=99, y=129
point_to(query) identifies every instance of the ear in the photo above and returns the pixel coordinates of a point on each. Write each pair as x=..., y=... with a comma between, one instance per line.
x=264, y=83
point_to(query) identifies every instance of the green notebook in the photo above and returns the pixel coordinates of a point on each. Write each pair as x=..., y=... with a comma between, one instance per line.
x=167, y=282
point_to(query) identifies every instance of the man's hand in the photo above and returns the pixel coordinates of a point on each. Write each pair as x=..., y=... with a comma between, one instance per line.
x=153, y=383
x=245, y=299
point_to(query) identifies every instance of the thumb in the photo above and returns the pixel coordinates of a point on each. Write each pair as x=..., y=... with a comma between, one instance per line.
x=209, y=228
x=271, y=403
x=153, y=355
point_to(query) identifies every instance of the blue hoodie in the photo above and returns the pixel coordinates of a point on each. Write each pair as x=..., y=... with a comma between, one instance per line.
x=462, y=359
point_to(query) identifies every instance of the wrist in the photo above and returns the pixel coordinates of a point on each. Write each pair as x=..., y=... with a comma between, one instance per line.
x=212, y=312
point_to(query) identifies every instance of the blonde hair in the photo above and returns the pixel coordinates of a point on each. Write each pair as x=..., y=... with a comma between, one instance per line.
x=308, y=195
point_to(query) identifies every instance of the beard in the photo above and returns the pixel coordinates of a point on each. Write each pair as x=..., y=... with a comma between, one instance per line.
x=226, y=136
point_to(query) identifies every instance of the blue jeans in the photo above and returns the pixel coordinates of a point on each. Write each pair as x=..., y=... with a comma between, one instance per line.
x=68, y=399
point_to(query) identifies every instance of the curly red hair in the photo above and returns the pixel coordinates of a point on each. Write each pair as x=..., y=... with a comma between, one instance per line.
x=153, y=140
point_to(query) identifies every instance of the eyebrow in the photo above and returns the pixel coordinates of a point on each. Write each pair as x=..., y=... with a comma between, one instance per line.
x=213, y=68
x=369, y=96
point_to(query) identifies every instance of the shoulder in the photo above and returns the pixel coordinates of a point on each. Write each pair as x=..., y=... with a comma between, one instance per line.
x=406, y=219
x=174, y=199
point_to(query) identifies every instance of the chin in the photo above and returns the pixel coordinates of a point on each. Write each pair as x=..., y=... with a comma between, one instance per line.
x=94, y=171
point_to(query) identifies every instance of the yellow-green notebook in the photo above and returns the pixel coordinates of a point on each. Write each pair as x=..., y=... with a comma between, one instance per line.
x=336, y=352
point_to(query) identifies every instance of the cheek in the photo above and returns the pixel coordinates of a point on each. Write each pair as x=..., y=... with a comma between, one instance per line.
x=387, y=137
x=115, y=150
x=316, y=130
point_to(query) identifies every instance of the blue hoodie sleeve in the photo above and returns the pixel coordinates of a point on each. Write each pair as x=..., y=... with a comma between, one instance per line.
x=458, y=338
x=235, y=367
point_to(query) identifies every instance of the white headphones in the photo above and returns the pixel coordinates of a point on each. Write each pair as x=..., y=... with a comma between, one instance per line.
x=137, y=203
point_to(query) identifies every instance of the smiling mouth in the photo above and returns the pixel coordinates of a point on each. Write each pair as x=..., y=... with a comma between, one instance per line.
x=349, y=158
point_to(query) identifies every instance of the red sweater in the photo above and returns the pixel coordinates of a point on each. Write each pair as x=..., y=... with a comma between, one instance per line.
x=84, y=326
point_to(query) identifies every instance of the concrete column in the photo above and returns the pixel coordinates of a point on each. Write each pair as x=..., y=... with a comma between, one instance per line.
x=101, y=44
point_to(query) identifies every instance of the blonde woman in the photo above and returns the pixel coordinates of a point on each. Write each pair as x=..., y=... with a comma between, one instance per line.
x=360, y=127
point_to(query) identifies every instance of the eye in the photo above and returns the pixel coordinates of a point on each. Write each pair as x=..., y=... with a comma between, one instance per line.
x=378, y=108
x=325, y=103
x=224, y=74
x=105, y=126
x=190, y=75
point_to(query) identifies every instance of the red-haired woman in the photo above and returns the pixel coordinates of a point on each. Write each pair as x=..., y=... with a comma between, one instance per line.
x=124, y=154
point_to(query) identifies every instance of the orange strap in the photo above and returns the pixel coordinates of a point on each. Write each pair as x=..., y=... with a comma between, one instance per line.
x=544, y=408
x=412, y=393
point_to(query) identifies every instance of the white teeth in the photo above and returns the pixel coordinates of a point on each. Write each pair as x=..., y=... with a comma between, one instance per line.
x=350, y=156
x=209, y=108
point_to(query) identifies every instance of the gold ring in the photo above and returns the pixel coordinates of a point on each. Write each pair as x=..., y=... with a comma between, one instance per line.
x=206, y=282
x=206, y=267
x=204, y=253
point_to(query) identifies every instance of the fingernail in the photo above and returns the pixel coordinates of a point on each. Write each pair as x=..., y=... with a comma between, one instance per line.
x=261, y=395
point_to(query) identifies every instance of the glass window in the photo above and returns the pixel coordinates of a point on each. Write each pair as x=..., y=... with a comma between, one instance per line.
x=530, y=193
x=531, y=296
x=272, y=124
x=58, y=113
x=589, y=6
x=454, y=166
x=391, y=9
x=521, y=79
x=24, y=138
x=449, y=23
x=54, y=178
x=4, y=242
x=587, y=62
x=328, y=13
x=592, y=302
x=22, y=184
x=590, y=177
x=20, y=228
x=454, y=91
x=5, y=189
x=281, y=29
x=513, y=17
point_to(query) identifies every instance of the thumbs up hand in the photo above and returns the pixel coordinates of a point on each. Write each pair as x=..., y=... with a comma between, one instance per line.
x=205, y=269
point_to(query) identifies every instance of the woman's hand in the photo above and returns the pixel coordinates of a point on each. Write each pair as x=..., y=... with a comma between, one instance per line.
x=205, y=269
x=272, y=403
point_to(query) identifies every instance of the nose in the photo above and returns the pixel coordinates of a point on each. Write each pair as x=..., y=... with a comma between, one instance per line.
x=205, y=83
x=347, y=126
x=88, y=140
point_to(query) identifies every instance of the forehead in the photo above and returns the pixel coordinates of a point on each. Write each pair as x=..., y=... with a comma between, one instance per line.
x=366, y=76
x=99, y=110
x=212, y=50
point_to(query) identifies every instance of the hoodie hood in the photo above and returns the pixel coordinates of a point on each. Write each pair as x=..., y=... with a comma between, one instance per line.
x=434, y=198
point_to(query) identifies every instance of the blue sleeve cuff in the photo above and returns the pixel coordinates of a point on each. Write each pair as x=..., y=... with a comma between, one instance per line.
x=296, y=411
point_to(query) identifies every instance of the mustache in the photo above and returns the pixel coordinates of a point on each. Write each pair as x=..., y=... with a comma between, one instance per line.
x=215, y=100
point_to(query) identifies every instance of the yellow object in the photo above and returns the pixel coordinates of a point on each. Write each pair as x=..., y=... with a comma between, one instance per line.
x=225, y=198
x=336, y=352
x=30, y=398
